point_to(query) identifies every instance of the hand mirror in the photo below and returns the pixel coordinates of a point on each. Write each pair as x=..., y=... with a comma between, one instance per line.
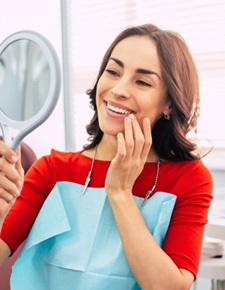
x=30, y=82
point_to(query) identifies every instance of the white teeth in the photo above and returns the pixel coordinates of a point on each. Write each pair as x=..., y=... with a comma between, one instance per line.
x=118, y=110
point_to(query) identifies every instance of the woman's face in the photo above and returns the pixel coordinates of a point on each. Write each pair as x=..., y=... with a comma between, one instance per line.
x=131, y=83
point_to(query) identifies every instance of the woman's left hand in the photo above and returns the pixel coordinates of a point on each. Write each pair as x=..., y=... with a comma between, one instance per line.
x=132, y=152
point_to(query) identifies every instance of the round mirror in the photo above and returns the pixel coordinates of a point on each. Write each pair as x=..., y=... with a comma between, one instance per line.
x=29, y=84
x=24, y=80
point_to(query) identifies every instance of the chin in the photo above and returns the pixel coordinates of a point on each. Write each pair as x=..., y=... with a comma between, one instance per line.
x=109, y=130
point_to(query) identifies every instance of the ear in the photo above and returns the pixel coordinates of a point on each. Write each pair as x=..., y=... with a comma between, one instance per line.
x=167, y=110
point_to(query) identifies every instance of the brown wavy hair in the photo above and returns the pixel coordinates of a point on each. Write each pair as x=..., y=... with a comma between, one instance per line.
x=179, y=73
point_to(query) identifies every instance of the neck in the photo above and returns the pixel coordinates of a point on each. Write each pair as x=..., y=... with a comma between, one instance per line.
x=107, y=149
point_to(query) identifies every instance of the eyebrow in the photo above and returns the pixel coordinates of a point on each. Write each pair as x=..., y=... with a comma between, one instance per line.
x=138, y=70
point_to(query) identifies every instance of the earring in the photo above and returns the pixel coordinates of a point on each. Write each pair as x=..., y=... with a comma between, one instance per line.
x=167, y=117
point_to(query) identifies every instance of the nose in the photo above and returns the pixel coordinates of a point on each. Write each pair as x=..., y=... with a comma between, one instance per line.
x=122, y=89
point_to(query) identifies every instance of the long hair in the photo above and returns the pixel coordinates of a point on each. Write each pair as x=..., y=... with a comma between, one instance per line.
x=179, y=73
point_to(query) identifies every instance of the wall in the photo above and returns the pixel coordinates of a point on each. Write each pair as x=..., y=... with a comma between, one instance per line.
x=215, y=161
x=45, y=18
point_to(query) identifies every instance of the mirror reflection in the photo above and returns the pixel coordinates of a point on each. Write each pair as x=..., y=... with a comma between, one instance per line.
x=24, y=79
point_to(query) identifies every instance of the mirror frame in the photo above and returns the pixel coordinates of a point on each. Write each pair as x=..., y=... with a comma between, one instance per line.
x=25, y=127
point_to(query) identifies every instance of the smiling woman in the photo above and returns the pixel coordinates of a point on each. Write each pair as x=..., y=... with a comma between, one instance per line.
x=117, y=212
x=205, y=35
x=131, y=86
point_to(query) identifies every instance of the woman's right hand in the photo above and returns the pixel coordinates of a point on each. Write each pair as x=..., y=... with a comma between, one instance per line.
x=11, y=178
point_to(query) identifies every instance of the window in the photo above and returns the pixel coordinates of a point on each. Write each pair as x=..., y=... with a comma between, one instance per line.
x=92, y=27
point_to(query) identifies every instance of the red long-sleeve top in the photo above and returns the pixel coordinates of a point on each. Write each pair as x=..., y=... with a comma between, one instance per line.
x=190, y=181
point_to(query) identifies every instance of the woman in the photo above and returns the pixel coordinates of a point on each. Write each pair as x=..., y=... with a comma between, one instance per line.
x=129, y=211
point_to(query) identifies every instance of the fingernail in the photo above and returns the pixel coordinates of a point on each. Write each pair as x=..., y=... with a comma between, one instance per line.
x=147, y=121
x=127, y=119
x=14, y=158
x=120, y=136
x=17, y=193
x=132, y=116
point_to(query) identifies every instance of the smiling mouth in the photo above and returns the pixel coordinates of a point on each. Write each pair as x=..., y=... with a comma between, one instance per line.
x=118, y=110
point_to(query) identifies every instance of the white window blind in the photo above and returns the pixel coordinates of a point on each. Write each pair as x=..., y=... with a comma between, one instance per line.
x=92, y=25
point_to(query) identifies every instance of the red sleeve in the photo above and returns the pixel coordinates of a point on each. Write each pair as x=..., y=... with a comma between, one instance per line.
x=38, y=183
x=183, y=241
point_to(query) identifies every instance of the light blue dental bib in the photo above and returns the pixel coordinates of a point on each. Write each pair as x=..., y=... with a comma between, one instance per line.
x=74, y=243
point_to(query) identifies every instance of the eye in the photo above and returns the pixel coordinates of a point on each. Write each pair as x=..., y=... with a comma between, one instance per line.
x=112, y=72
x=143, y=83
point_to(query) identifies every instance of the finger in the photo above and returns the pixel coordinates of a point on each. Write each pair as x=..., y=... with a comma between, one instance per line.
x=18, y=164
x=7, y=153
x=148, y=138
x=121, y=148
x=6, y=197
x=138, y=137
x=8, y=189
x=128, y=136
x=8, y=170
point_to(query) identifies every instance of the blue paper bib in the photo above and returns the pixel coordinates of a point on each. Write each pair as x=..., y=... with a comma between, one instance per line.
x=74, y=243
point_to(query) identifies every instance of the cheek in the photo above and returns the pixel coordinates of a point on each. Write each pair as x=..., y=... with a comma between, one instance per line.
x=102, y=84
x=98, y=93
x=103, y=88
x=99, y=90
x=153, y=111
x=97, y=98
